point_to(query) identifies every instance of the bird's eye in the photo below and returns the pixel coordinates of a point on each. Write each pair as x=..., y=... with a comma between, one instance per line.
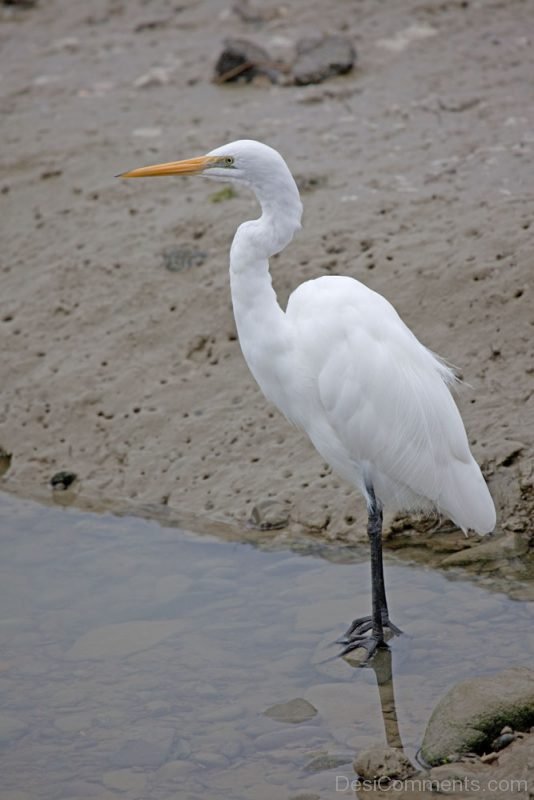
x=228, y=161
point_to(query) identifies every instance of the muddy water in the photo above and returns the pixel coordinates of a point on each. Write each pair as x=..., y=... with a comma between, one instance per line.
x=137, y=661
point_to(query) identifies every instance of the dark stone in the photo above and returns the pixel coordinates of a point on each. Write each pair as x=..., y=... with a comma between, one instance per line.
x=503, y=741
x=322, y=57
x=244, y=60
x=5, y=461
x=62, y=480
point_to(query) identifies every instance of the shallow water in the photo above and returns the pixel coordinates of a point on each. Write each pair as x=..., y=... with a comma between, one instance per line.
x=137, y=661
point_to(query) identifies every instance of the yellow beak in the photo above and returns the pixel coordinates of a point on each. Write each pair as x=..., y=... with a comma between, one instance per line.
x=191, y=166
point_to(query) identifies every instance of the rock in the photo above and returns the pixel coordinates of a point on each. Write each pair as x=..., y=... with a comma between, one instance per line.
x=62, y=480
x=502, y=741
x=325, y=761
x=176, y=770
x=506, y=729
x=124, y=638
x=508, y=774
x=244, y=60
x=321, y=57
x=20, y=3
x=497, y=547
x=268, y=515
x=5, y=461
x=125, y=780
x=297, y=710
x=286, y=738
x=467, y=718
x=381, y=761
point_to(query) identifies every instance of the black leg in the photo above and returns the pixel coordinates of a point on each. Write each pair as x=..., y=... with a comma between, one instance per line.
x=374, y=532
x=355, y=636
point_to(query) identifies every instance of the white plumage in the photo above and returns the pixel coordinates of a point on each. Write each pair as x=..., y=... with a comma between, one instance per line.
x=341, y=364
x=343, y=367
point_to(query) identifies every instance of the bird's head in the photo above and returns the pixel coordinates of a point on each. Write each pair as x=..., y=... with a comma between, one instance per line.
x=245, y=161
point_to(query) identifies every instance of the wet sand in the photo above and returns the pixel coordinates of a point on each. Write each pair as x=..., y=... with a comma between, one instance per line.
x=416, y=170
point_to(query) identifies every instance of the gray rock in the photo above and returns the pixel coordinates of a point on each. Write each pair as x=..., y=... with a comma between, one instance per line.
x=297, y=710
x=142, y=753
x=503, y=741
x=507, y=546
x=322, y=57
x=381, y=761
x=125, y=780
x=325, y=761
x=474, y=711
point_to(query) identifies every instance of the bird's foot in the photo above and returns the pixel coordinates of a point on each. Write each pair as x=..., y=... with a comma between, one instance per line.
x=355, y=637
x=362, y=625
x=369, y=644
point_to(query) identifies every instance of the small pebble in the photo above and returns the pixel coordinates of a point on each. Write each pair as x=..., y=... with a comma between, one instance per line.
x=62, y=480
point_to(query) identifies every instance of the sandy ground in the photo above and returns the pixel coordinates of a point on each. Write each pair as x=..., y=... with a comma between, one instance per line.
x=416, y=171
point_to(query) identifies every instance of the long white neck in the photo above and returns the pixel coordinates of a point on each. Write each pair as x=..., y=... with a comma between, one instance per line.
x=260, y=321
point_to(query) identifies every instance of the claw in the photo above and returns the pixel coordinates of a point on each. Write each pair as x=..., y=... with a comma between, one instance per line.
x=364, y=624
x=355, y=636
x=355, y=624
x=368, y=643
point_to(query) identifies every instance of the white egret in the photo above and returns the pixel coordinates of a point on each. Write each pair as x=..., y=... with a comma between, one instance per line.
x=342, y=366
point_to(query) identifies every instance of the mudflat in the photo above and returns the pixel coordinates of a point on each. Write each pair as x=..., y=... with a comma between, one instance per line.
x=120, y=358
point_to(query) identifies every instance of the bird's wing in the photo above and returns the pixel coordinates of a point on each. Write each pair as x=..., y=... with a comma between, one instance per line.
x=383, y=394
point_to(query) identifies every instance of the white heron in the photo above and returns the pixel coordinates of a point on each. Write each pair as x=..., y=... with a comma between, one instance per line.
x=342, y=366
